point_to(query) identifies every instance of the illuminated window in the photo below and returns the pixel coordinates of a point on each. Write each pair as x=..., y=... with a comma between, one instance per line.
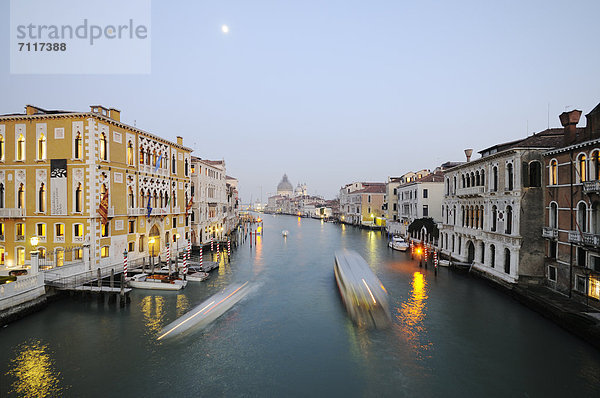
x=130, y=153
x=2, y=255
x=1, y=196
x=2, y=230
x=105, y=229
x=141, y=155
x=1, y=147
x=21, y=147
x=78, y=254
x=131, y=227
x=103, y=147
x=594, y=288
x=78, y=230
x=553, y=172
x=42, y=252
x=60, y=257
x=131, y=246
x=20, y=231
x=104, y=252
x=20, y=256
x=41, y=147
x=41, y=230
x=59, y=230
x=77, y=149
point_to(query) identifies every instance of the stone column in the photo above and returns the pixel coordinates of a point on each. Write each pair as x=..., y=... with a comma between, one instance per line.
x=86, y=257
x=35, y=262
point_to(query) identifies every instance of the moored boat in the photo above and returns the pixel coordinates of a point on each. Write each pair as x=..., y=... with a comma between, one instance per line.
x=397, y=243
x=156, y=282
x=284, y=233
x=197, y=276
x=363, y=294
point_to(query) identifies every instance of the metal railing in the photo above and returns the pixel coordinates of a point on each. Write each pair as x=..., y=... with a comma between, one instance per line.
x=584, y=238
x=11, y=213
x=591, y=186
x=470, y=191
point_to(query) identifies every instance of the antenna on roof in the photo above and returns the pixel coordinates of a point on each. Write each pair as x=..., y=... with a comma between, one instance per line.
x=134, y=122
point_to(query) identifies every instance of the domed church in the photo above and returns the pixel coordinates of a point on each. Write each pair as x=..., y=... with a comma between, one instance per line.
x=285, y=188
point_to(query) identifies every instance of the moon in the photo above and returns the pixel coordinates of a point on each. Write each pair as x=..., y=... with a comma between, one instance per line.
x=225, y=29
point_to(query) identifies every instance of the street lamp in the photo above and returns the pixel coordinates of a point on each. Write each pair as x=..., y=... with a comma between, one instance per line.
x=34, y=241
x=151, y=241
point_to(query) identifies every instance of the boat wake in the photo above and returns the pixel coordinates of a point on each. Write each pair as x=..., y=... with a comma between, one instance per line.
x=205, y=313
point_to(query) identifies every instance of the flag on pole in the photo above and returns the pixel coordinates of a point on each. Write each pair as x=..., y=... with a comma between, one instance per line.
x=149, y=207
x=103, y=209
x=157, y=163
x=189, y=206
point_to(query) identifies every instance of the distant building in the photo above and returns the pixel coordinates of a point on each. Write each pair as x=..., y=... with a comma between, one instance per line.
x=284, y=188
x=361, y=203
x=420, y=198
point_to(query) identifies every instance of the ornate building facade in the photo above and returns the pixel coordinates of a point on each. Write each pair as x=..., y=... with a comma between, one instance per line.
x=58, y=169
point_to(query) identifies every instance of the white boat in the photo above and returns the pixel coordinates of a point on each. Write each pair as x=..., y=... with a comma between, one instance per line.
x=444, y=263
x=363, y=294
x=197, y=276
x=156, y=282
x=397, y=243
x=284, y=233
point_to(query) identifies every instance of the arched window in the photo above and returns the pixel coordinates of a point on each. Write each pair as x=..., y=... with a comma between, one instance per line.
x=153, y=163
x=476, y=225
x=595, y=166
x=77, y=150
x=492, y=256
x=148, y=156
x=1, y=147
x=166, y=199
x=21, y=147
x=161, y=197
x=103, y=147
x=535, y=174
x=173, y=164
x=507, y=261
x=553, y=172
x=131, y=201
x=155, y=196
x=483, y=177
x=472, y=179
x=130, y=153
x=185, y=167
x=42, y=198
x=482, y=258
x=553, y=215
x=42, y=147
x=462, y=210
x=21, y=197
x=477, y=178
x=509, y=219
x=1, y=197
x=494, y=217
x=142, y=197
x=595, y=218
x=454, y=185
x=582, y=216
x=481, y=215
x=454, y=215
x=495, y=179
x=464, y=185
x=582, y=167
x=142, y=157
x=78, y=198
x=509, y=177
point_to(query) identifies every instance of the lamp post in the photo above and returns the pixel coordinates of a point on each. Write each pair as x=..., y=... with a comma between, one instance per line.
x=177, y=252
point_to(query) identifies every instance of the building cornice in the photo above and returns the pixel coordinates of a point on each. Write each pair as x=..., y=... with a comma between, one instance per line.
x=103, y=118
x=571, y=147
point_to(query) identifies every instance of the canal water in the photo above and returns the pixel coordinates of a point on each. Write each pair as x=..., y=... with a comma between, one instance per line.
x=452, y=335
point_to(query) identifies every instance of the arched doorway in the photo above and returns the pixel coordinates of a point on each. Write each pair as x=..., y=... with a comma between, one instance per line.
x=470, y=252
x=154, y=241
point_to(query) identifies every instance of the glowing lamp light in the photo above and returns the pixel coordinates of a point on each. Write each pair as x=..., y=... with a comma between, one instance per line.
x=34, y=240
x=152, y=241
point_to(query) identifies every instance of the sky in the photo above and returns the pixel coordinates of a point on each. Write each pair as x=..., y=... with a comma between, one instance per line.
x=332, y=92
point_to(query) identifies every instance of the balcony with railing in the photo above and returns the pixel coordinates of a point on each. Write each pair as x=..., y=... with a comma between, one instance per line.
x=591, y=187
x=470, y=191
x=549, y=232
x=11, y=213
x=584, y=238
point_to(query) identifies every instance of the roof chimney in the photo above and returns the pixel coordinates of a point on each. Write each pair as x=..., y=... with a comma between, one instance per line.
x=569, y=121
x=179, y=140
x=468, y=153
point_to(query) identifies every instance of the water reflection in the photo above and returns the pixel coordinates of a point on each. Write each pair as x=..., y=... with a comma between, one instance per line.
x=183, y=304
x=258, y=258
x=34, y=372
x=412, y=314
x=153, y=308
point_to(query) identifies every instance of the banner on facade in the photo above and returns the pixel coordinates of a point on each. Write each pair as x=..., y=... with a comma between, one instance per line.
x=58, y=187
